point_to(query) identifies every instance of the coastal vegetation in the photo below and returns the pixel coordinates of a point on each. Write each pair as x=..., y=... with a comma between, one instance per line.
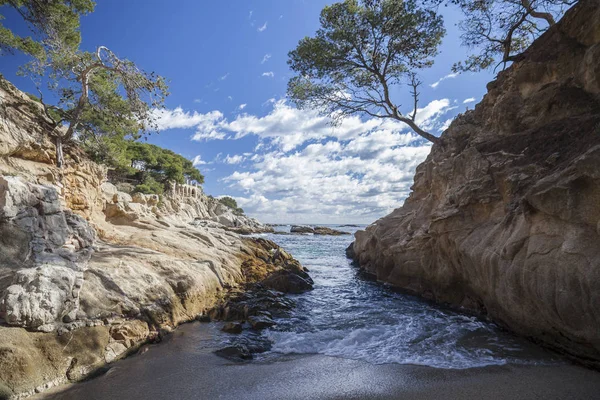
x=359, y=52
x=364, y=49
x=97, y=94
x=151, y=169
x=498, y=31
x=232, y=204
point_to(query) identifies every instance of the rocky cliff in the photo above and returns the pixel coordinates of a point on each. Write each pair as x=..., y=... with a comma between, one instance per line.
x=87, y=273
x=504, y=214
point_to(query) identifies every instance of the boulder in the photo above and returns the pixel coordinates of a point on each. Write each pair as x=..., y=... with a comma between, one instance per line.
x=235, y=353
x=232, y=327
x=260, y=322
x=288, y=282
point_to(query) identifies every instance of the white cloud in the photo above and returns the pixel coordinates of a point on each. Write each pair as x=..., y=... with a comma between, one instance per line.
x=177, y=118
x=469, y=100
x=449, y=76
x=242, y=106
x=446, y=125
x=331, y=181
x=262, y=28
x=265, y=58
x=427, y=117
x=198, y=161
x=235, y=159
x=222, y=78
x=303, y=169
x=269, y=74
x=250, y=14
x=287, y=127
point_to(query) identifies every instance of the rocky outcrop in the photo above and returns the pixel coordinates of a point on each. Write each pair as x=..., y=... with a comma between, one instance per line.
x=504, y=215
x=88, y=273
x=317, y=230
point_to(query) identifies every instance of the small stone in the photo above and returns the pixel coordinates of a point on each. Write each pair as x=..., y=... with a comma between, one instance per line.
x=235, y=353
x=232, y=327
x=259, y=322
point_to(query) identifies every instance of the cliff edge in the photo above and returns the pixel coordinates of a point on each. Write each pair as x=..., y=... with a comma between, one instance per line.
x=504, y=214
x=88, y=273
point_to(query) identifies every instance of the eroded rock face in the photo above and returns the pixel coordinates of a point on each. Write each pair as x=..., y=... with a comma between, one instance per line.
x=89, y=273
x=45, y=250
x=504, y=217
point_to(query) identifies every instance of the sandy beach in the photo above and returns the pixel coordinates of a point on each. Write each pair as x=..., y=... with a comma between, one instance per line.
x=183, y=367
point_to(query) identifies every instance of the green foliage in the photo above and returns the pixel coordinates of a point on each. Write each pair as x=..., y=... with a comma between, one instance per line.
x=49, y=21
x=99, y=93
x=232, y=204
x=150, y=167
x=497, y=31
x=362, y=49
x=150, y=186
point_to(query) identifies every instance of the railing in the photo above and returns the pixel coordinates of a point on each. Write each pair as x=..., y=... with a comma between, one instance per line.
x=186, y=190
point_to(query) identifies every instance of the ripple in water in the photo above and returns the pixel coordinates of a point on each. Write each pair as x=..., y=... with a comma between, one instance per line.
x=351, y=317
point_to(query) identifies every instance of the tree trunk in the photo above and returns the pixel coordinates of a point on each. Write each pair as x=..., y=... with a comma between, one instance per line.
x=419, y=131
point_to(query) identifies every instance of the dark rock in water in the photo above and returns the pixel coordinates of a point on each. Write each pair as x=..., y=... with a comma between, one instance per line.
x=232, y=327
x=239, y=352
x=259, y=322
x=256, y=301
x=301, y=229
x=317, y=230
x=321, y=230
x=203, y=318
x=288, y=282
x=350, y=251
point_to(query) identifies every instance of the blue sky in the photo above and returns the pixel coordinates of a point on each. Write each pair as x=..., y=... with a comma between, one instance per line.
x=226, y=63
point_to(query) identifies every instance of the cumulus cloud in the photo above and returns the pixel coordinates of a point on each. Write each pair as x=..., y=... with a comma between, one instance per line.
x=449, y=76
x=269, y=74
x=446, y=124
x=469, y=100
x=359, y=181
x=242, y=106
x=303, y=169
x=265, y=58
x=287, y=127
x=235, y=159
x=262, y=28
x=198, y=161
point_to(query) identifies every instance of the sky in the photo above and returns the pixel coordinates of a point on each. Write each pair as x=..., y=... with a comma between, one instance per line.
x=226, y=63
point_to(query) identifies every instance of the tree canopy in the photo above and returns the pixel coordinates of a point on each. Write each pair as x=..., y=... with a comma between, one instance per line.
x=498, y=31
x=232, y=204
x=98, y=92
x=361, y=50
x=49, y=21
x=150, y=168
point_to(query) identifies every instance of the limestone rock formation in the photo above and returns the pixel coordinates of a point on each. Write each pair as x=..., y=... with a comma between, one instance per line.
x=88, y=273
x=504, y=214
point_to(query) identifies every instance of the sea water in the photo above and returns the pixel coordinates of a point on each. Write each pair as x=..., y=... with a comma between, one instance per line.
x=351, y=316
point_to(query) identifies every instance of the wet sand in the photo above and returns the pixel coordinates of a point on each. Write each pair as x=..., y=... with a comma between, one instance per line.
x=184, y=367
